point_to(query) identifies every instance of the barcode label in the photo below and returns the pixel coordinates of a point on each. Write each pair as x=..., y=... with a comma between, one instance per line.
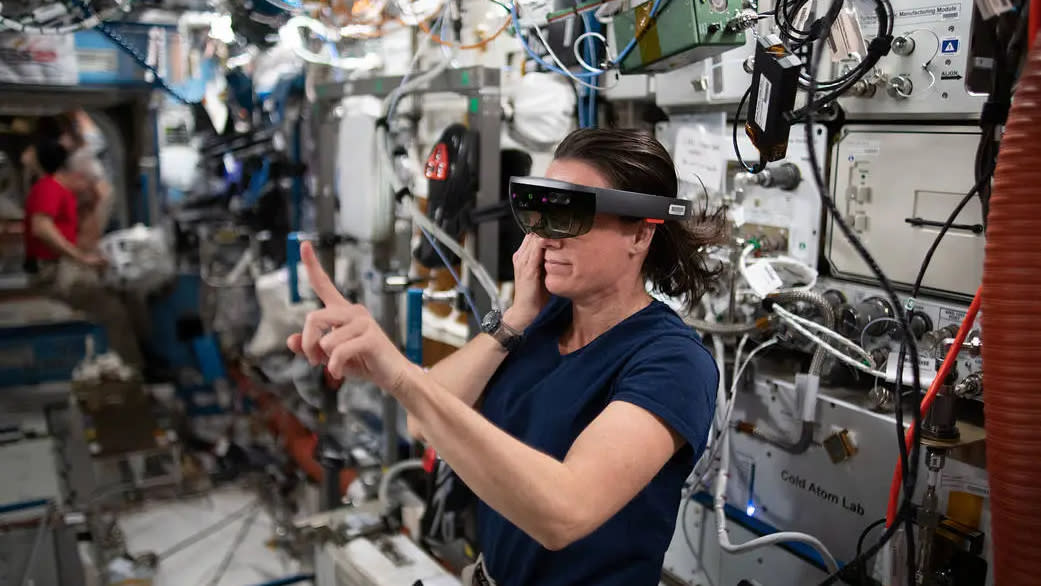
x=762, y=106
x=97, y=60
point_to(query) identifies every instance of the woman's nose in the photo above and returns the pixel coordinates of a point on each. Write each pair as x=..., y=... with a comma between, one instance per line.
x=549, y=242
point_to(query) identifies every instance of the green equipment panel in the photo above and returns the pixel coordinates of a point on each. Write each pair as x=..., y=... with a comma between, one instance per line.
x=684, y=32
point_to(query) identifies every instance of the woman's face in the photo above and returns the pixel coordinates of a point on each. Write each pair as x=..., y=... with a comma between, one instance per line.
x=607, y=257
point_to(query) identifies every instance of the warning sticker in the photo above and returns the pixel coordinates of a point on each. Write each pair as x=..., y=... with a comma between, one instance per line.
x=949, y=46
x=950, y=316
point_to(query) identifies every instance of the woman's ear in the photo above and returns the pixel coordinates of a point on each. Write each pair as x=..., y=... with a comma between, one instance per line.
x=642, y=238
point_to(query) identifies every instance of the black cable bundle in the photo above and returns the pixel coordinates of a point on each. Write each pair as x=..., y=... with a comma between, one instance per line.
x=808, y=40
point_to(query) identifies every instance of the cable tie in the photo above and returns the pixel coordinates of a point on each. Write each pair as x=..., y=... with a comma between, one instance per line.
x=816, y=29
x=382, y=122
x=402, y=194
x=881, y=45
x=909, y=304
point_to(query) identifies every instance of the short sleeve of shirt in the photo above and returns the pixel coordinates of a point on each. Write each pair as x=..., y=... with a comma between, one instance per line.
x=44, y=198
x=674, y=378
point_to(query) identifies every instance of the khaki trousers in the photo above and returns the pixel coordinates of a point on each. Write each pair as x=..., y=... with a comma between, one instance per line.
x=81, y=288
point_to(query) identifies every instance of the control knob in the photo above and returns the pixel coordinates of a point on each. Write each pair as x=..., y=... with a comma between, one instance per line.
x=866, y=317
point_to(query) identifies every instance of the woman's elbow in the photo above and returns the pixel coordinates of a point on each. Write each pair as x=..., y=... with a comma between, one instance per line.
x=553, y=542
x=566, y=528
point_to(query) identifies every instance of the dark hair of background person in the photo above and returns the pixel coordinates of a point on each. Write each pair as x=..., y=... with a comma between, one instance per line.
x=53, y=127
x=51, y=155
x=633, y=160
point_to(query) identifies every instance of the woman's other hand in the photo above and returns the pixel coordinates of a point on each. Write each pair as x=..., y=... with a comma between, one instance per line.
x=529, y=276
x=344, y=336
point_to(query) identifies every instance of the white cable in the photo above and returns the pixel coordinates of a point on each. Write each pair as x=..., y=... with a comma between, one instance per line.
x=827, y=347
x=725, y=428
x=864, y=334
x=578, y=50
x=808, y=271
x=719, y=503
x=383, y=492
x=829, y=333
x=557, y=62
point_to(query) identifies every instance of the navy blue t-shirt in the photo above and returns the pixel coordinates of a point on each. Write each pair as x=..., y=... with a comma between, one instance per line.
x=651, y=359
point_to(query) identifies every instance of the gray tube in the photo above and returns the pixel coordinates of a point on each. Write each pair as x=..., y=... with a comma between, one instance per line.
x=719, y=328
x=799, y=446
x=818, y=300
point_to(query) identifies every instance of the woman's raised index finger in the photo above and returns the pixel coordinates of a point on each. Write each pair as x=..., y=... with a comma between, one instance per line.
x=321, y=283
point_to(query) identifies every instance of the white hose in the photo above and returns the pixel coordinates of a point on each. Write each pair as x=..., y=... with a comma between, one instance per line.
x=774, y=538
x=479, y=272
x=383, y=493
x=396, y=184
x=721, y=388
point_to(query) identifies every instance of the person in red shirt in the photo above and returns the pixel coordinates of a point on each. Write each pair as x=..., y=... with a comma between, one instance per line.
x=62, y=270
x=51, y=218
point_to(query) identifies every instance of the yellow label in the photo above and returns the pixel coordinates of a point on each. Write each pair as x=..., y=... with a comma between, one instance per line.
x=650, y=46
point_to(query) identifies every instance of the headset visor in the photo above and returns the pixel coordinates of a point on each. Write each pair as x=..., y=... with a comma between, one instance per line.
x=556, y=209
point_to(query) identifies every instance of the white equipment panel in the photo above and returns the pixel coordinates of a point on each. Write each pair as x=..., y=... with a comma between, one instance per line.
x=940, y=33
x=366, y=206
x=719, y=80
x=30, y=471
x=883, y=176
x=389, y=560
x=793, y=215
x=627, y=87
x=810, y=493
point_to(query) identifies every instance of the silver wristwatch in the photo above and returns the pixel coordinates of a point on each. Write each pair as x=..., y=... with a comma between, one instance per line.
x=494, y=326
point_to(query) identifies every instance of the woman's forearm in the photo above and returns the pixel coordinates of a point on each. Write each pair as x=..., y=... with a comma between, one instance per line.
x=533, y=490
x=467, y=371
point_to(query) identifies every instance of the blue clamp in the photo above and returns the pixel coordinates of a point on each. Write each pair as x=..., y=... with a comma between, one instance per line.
x=292, y=261
x=414, y=325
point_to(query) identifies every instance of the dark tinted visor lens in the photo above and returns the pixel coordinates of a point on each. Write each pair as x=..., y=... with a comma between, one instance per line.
x=552, y=214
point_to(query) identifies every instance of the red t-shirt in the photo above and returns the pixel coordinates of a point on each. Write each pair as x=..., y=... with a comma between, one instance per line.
x=51, y=198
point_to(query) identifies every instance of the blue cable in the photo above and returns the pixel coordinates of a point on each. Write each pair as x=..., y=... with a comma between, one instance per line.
x=535, y=57
x=129, y=49
x=590, y=51
x=458, y=282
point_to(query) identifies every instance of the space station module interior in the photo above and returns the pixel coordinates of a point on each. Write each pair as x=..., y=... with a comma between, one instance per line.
x=875, y=161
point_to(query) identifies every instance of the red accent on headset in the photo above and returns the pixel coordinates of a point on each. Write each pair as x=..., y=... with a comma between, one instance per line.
x=429, y=459
x=654, y=221
x=437, y=163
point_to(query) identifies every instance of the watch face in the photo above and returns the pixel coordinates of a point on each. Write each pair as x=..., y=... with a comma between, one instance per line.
x=491, y=321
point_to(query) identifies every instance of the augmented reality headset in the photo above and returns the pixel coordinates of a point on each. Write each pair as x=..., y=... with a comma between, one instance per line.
x=556, y=209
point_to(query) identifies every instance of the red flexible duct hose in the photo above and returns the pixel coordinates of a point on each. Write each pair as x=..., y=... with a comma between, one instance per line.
x=927, y=401
x=1011, y=349
x=1034, y=14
